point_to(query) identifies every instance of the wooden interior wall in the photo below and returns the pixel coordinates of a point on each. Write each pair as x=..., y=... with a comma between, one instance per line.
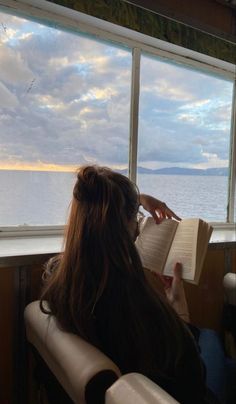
x=205, y=304
x=6, y=334
x=206, y=299
x=19, y=285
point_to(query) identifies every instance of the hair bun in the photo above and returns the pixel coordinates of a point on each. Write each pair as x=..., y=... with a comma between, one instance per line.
x=88, y=184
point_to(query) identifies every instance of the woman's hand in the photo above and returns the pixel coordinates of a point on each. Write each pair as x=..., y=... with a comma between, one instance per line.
x=175, y=293
x=158, y=209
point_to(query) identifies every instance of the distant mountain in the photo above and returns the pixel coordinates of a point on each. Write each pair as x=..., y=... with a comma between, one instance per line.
x=223, y=171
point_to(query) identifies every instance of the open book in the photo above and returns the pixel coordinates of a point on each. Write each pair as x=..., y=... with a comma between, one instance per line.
x=162, y=245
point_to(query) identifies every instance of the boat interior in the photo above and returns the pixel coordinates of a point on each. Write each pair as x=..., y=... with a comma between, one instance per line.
x=35, y=353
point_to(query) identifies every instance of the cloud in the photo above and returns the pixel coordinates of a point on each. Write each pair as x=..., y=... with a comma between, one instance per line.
x=7, y=99
x=195, y=105
x=14, y=68
x=47, y=101
x=67, y=101
x=96, y=93
x=166, y=90
x=212, y=160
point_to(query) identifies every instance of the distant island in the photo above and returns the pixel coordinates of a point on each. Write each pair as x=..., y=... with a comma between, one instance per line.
x=222, y=171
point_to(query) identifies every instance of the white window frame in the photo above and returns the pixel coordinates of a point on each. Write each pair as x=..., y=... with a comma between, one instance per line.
x=75, y=21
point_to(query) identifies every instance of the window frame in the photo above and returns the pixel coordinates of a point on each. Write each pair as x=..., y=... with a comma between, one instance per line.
x=66, y=19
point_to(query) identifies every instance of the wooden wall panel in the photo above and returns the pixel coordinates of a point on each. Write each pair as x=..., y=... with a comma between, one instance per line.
x=206, y=299
x=6, y=334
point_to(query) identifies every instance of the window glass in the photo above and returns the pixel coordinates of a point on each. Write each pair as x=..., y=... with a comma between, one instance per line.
x=64, y=101
x=184, y=134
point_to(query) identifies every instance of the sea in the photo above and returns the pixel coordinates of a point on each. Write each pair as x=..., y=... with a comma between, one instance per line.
x=29, y=198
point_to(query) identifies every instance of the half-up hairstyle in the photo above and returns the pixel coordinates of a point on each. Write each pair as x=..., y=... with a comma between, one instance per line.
x=98, y=289
x=97, y=244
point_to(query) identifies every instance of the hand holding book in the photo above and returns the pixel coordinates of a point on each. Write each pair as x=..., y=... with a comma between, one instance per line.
x=161, y=246
x=175, y=293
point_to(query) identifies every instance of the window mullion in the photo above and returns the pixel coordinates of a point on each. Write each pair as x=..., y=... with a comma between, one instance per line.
x=134, y=108
x=232, y=165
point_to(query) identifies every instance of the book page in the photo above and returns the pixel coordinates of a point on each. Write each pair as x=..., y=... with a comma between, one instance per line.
x=204, y=234
x=184, y=249
x=154, y=242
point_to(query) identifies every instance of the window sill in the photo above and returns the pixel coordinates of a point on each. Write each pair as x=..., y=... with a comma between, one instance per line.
x=223, y=236
x=28, y=250
x=17, y=251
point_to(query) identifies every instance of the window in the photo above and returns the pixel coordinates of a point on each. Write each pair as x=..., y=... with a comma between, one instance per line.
x=184, y=135
x=66, y=99
x=64, y=102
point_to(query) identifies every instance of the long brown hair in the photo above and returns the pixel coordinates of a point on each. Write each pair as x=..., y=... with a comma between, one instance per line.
x=99, y=290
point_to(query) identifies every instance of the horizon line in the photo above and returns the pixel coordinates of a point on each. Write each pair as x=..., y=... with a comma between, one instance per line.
x=74, y=168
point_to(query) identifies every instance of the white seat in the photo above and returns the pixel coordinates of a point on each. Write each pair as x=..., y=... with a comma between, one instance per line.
x=134, y=388
x=84, y=372
x=229, y=283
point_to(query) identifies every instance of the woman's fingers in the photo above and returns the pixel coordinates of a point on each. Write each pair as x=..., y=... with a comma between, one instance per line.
x=164, y=212
x=178, y=271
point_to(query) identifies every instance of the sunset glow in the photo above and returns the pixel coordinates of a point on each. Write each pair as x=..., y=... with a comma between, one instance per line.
x=37, y=167
x=18, y=166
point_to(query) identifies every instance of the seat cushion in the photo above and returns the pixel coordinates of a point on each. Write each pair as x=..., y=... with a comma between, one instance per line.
x=81, y=368
x=134, y=388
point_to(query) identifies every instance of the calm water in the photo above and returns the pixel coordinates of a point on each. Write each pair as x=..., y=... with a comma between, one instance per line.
x=42, y=198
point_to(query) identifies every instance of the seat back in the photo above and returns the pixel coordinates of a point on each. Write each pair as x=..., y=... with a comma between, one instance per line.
x=84, y=372
x=229, y=283
x=136, y=388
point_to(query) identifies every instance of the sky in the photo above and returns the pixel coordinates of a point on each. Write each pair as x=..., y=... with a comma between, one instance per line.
x=65, y=101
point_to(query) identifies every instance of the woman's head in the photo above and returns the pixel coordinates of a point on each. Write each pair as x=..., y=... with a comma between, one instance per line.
x=103, y=198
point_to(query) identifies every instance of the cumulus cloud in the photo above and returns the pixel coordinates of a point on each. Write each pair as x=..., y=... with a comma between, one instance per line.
x=212, y=160
x=67, y=101
x=182, y=130
x=14, y=69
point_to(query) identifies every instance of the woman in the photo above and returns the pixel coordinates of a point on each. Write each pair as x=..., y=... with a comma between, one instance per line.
x=100, y=292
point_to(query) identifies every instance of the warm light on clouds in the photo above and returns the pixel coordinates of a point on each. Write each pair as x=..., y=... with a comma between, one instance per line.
x=99, y=94
x=85, y=111
x=65, y=100
x=8, y=34
x=37, y=167
x=40, y=166
x=48, y=101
